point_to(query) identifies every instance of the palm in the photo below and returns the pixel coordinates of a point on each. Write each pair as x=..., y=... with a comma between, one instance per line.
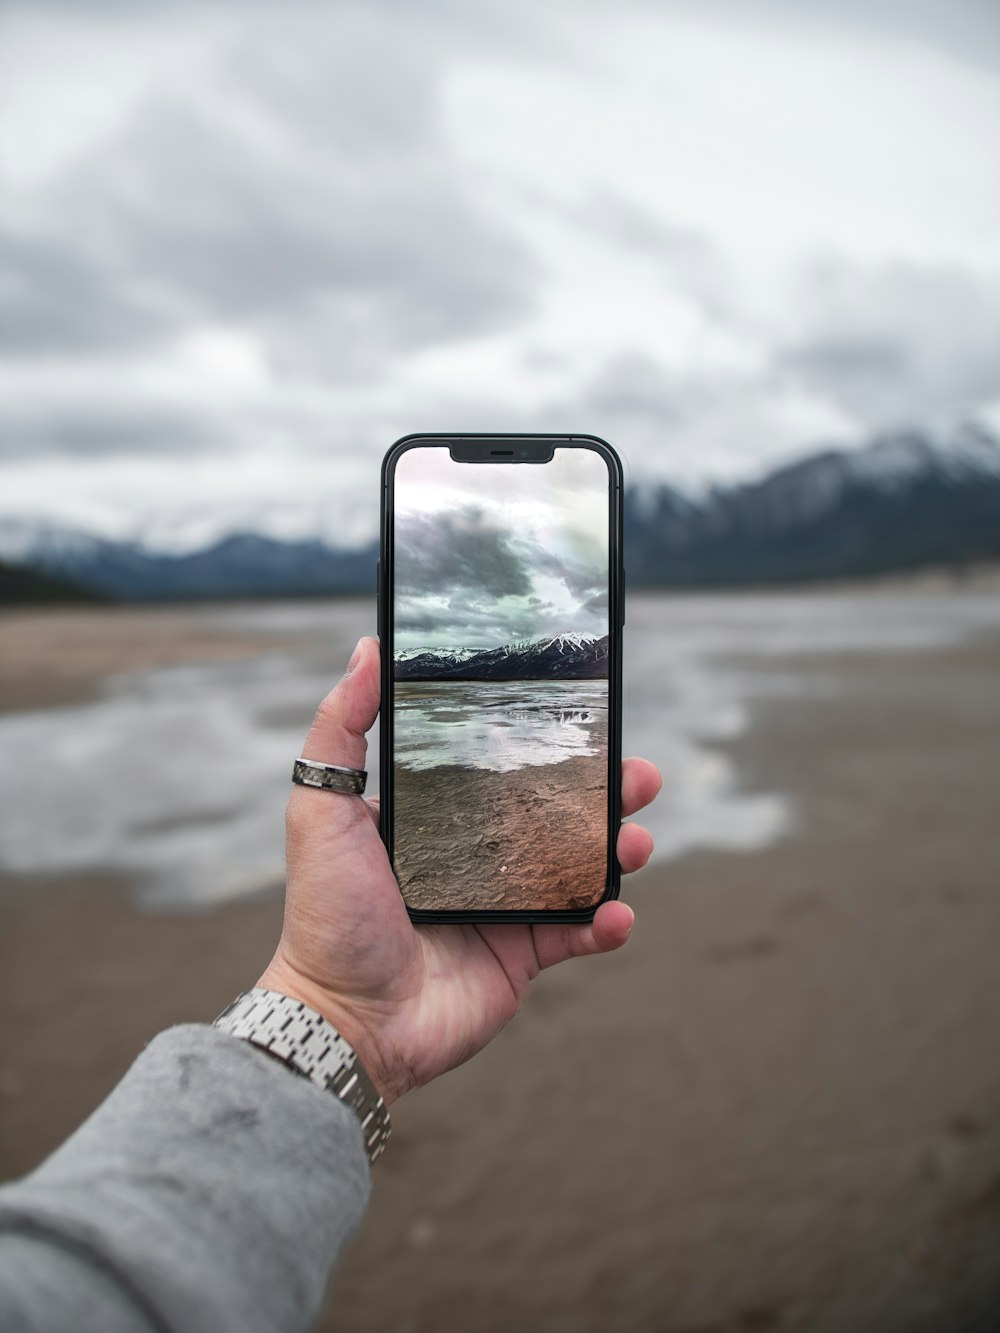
x=439, y=991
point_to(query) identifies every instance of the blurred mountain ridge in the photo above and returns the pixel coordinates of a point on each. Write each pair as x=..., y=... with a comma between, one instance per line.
x=240, y=565
x=904, y=501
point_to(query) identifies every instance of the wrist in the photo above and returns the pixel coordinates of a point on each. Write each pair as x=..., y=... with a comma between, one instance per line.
x=295, y=1034
x=281, y=976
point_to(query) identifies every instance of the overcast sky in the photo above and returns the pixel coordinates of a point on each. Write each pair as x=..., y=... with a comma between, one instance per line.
x=243, y=246
x=493, y=554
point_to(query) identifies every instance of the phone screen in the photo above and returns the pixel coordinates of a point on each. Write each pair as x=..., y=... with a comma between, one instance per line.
x=500, y=649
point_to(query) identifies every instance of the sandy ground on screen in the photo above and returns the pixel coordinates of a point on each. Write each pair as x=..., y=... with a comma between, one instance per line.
x=777, y=1108
x=535, y=838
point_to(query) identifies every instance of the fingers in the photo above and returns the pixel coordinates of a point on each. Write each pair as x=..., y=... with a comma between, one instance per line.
x=348, y=712
x=611, y=926
x=609, y=930
x=635, y=846
x=641, y=780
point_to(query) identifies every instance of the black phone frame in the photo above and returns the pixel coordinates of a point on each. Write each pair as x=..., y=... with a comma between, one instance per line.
x=616, y=622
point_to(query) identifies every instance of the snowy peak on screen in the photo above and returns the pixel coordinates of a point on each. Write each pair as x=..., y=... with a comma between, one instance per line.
x=561, y=657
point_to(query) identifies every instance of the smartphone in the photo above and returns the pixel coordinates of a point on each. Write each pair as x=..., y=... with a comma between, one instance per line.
x=500, y=617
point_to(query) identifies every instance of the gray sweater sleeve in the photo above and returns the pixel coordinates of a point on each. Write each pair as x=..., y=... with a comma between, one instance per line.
x=212, y=1191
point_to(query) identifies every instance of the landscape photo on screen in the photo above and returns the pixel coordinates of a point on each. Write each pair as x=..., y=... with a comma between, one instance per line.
x=500, y=666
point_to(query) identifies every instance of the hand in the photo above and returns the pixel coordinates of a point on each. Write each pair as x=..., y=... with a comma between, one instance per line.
x=413, y=1001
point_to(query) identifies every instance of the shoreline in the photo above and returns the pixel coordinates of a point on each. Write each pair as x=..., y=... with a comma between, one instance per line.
x=61, y=654
x=57, y=657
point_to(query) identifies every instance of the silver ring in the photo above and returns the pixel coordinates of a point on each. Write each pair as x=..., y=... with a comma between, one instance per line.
x=331, y=777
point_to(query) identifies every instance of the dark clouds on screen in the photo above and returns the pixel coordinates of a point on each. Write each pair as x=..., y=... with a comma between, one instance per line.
x=464, y=579
x=450, y=553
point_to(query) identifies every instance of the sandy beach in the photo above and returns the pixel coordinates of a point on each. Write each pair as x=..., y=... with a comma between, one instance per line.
x=58, y=656
x=777, y=1109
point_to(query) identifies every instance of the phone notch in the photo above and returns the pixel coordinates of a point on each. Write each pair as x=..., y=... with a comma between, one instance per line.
x=502, y=450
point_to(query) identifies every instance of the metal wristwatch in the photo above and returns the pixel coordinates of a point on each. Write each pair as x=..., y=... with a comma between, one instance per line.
x=302, y=1039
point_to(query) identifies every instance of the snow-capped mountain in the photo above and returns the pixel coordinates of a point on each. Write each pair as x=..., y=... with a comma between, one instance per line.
x=902, y=501
x=38, y=542
x=893, y=462
x=455, y=654
x=570, y=642
x=567, y=656
x=890, y=465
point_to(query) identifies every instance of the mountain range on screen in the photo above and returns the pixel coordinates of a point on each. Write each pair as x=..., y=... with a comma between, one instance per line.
x=557, y=657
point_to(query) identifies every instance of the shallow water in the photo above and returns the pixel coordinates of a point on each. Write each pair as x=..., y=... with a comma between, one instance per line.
x=498, y=725
x=179, y=775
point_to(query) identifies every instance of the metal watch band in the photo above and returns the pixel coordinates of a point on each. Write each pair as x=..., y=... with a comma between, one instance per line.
x=307, y=1043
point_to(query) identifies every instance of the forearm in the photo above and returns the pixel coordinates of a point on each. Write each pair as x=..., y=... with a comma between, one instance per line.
x=213, y=1190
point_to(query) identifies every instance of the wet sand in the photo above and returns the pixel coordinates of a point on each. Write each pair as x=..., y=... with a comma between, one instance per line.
x=534, y=838
x=57, y=656
x=777, y=1109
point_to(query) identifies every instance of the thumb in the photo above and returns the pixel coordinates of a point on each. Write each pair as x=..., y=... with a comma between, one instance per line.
x=337, y=735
